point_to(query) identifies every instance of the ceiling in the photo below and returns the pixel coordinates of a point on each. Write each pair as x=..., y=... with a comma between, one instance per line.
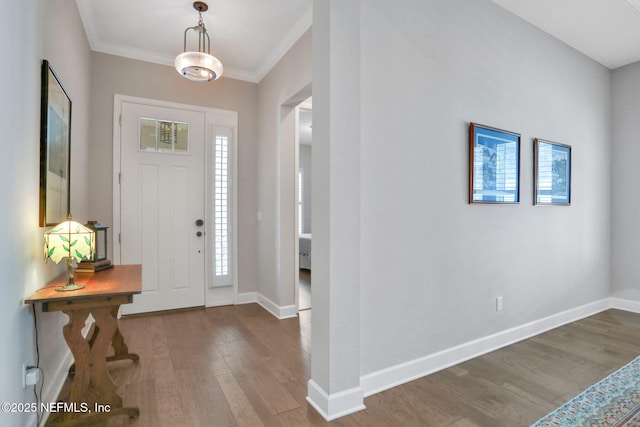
x=248, y=36
x=607, y=31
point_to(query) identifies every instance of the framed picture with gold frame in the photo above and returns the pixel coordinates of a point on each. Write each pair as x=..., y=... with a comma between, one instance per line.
x=55, y=149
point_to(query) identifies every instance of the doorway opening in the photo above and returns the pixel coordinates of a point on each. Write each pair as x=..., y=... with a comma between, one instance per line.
x=291, y=211
x=304, y=130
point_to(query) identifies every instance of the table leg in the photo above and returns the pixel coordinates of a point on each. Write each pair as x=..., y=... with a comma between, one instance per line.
x=91, y=367
x=81, y=349
x=106, y=327
x=121, y=351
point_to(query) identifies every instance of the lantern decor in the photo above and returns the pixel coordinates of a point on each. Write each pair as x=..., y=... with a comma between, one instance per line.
x=99, y=260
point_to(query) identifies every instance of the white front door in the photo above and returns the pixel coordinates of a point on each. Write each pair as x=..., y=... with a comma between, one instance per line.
x=162, y=204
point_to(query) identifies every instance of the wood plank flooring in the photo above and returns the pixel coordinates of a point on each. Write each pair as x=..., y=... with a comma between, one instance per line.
x=304, y=289
x=239, y=366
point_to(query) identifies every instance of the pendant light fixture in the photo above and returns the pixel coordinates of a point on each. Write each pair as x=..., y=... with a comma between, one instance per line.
x=199, y=66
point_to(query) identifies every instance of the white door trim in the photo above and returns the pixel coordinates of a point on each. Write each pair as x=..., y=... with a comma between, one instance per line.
x=214, y=118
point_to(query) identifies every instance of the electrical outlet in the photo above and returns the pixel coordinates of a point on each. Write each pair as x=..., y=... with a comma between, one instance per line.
x=498, y=303
x=30, y=375
x=33, y=375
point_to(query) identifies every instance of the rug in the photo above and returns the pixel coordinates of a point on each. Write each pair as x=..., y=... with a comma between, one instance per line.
x=612, y=402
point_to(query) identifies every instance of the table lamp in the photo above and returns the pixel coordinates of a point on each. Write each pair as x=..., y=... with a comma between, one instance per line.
x=69, y=240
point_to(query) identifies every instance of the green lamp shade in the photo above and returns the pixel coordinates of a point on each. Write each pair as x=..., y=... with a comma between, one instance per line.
x=69, y=239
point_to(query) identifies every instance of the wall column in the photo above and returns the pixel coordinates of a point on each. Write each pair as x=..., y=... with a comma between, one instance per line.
x=334, y=388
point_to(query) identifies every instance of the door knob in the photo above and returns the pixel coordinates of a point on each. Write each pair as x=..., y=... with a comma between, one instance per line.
x=199, y=222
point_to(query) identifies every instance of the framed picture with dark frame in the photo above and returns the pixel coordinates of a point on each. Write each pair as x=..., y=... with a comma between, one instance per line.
x=494, y=165
x=55, y=149
x=552, y=173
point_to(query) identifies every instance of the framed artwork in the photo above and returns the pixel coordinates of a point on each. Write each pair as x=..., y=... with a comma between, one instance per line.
x=494, y=165
x=552, y=173
x=55, y=149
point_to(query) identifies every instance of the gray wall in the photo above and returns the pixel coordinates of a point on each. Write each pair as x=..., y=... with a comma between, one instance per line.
x=431, y=264
x=20, y=259
x=277, y=174
x=65, y=46
x=625, y=179
x=29, y=32
x=408, y=268
x=116, y=75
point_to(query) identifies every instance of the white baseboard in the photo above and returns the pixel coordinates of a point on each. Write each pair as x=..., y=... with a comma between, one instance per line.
x=335, y=405
x=625, y=304
x=247, y=298
x=53, y=382
x=285, y=312
x=393, y=376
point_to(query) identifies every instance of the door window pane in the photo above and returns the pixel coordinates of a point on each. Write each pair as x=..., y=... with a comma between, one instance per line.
x=147, y=135
x=181, y=137
x=164, y=136
x=221, y=206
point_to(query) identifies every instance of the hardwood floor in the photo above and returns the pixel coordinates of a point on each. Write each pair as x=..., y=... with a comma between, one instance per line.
x=239, y=366
x=304, y=290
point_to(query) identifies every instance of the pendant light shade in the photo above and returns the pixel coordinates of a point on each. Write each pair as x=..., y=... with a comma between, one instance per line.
x=200, y=65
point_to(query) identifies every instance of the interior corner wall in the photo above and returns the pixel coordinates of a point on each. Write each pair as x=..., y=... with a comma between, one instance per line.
x=66, y=48
x=117, y=75
x=276, y=174
x=45, y=29
x=432, y=264
x=625, y=177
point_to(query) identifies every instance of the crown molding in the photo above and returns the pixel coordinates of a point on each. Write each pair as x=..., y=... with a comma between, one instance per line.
x=132, y=53
x=294, y=34
x=163, y=59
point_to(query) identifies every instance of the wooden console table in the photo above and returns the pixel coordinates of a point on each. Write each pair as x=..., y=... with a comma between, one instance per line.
x=101, y=297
